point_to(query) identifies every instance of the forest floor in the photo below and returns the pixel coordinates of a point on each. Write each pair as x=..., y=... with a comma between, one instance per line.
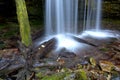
x=92, y=63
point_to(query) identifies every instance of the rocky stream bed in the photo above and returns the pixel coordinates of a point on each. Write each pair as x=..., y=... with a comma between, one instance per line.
x=99, y=61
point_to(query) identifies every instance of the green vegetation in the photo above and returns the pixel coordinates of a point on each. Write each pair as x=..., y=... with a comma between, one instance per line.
x=111, y=9
x=58, y=76
x=64, y=74
x=81, y=75
x=36, y=25
x=8, y=30
x=23, y=22
x=113, y=24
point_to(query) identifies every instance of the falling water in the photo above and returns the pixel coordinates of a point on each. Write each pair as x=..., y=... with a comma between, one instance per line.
x=98, y=17
x=61, y=16
x=92, y=14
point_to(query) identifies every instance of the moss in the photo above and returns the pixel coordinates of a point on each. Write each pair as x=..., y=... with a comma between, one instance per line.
x=81, y=75
x=104, y=49
x=93, y=61
x=56, y=76
x=39, y=75
x=23, y=22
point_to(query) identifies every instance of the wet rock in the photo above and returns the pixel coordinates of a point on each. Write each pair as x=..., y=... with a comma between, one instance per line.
x=117, y=78
x=106, y=65
x=67, y=54
x=45, y=48
x=8, y=53
x=60, y=61
x=102, y=77
x=84, y=62
x=93, y=74
x=92, y=61
x=117, y=68
x=4, y=63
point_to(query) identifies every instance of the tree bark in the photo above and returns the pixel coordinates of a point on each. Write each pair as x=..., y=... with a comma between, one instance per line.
x=23, y=22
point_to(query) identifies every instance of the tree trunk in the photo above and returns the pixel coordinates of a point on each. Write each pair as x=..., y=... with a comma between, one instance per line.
x=23, y=22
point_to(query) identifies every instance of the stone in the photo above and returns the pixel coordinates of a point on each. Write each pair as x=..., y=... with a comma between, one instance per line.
x=106, y=65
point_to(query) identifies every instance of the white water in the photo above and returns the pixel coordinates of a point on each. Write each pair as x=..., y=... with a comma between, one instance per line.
x=92, y=14
x=62, y=16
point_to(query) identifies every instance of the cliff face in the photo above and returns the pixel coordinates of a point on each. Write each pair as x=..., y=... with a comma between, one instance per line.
x=111, y=9
x=7, y=8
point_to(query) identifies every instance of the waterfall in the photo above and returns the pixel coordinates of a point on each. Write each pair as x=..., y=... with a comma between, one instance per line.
x=61, y=17
x=92, y=14
x=98, y=17
x=71, y=16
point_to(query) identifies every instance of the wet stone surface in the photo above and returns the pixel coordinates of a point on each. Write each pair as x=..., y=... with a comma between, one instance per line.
x=101, y=62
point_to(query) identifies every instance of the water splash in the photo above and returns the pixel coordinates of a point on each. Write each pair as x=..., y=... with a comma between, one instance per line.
x=62, y=18
x=99, y=34
x=64, y=41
